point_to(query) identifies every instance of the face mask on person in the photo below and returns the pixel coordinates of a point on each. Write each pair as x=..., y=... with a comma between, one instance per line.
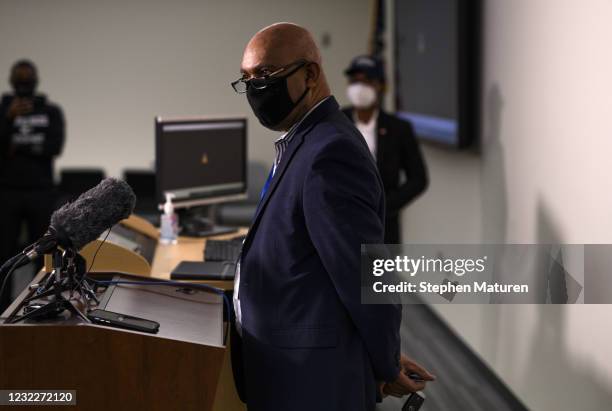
x=361, y=95
x=273, y=103
x=24, y=88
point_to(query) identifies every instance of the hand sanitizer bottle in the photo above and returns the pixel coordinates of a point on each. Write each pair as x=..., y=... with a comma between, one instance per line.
x=169, y=222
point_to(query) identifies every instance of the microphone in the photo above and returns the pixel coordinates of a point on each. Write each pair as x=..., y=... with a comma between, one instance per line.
x=80, y=222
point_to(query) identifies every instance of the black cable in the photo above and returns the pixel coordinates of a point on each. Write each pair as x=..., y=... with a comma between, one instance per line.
x=94, y=257
x=8, y=264
x=96, y=253
x=9, y=273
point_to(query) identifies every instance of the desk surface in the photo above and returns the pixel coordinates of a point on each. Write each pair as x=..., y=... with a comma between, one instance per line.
x=187, y=249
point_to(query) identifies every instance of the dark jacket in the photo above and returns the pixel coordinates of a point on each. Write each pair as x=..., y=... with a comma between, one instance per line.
x=308, y=341
x=28, y=144
x=397, y=151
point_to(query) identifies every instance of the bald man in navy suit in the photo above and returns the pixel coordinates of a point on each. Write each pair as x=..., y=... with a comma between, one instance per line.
x=303, y=340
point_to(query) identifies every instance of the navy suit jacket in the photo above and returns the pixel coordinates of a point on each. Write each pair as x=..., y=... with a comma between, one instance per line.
x=308, y=343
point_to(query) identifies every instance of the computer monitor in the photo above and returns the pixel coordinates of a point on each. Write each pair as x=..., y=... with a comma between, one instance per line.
x=201, y=161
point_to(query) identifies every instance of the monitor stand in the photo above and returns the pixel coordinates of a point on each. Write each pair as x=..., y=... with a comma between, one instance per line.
x=195, y=223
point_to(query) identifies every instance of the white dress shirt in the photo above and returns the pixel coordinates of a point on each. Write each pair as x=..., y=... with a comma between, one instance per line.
x=368, y=131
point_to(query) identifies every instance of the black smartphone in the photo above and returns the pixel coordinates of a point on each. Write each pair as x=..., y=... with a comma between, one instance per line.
x=414, y=402
x=112, y=319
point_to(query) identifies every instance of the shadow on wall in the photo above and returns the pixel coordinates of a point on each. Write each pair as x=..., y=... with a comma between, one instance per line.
x=550, y=366
x=494, y=203
x=544, y=368
x=493, y=172
x=530, y=342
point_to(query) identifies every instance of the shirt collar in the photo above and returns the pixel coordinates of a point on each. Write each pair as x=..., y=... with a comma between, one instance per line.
x=291, y=131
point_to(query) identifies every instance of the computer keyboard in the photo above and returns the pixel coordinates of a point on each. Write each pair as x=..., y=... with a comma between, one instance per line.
x=223, y=250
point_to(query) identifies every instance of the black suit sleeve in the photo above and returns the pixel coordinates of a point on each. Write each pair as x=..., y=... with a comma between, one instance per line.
x=5, y=131
x=411, y=161
x=342, y=202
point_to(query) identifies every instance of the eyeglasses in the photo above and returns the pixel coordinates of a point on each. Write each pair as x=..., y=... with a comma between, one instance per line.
x=241, y=85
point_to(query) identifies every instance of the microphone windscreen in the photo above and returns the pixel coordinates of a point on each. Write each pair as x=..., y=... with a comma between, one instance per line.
x=82, y=221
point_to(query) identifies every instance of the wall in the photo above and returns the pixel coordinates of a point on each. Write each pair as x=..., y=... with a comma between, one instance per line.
x=115, y=65
x=543, y=176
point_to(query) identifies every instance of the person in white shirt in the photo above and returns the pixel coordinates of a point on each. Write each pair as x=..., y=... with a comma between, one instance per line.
x=391, y=141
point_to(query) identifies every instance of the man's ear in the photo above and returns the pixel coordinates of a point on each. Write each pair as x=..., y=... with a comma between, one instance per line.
x=313, y=74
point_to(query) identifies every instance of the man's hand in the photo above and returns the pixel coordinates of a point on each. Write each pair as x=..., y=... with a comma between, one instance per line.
x=18, y=107
x=403, y=384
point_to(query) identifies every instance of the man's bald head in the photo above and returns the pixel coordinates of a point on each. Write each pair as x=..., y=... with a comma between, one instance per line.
x=279, y=46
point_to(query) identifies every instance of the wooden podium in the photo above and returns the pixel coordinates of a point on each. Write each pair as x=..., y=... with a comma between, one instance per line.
x=116, y=369
x=113, y=369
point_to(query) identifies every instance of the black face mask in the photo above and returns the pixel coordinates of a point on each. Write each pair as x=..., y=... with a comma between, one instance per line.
x=24, y=88
x=272, y=104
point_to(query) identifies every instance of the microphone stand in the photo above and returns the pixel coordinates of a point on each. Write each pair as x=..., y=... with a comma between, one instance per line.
x=67, y=276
